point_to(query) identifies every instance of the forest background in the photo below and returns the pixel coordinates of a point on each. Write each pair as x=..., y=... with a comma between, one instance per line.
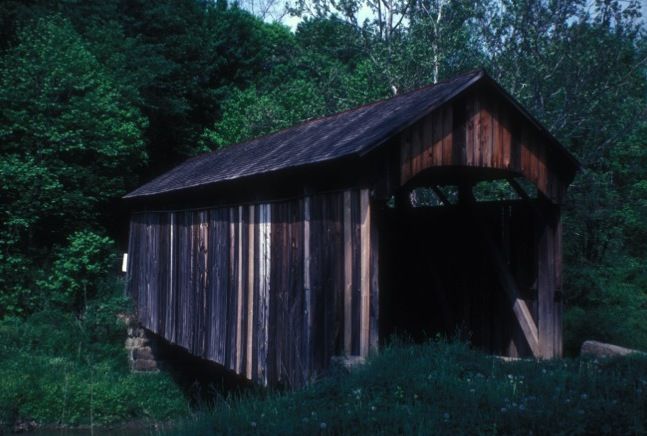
x=97, y=97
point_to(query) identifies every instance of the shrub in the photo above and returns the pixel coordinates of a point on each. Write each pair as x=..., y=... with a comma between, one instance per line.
x=79, y=269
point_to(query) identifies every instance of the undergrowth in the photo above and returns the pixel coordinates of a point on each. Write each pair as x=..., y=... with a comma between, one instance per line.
x=446, y=388
x=58, y=368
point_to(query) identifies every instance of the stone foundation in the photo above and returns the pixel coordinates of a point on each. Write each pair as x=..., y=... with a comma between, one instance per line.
x=140, y=347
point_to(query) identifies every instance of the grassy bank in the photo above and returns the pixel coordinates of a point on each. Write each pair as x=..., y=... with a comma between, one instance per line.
x=60, y=369
x=446, y=388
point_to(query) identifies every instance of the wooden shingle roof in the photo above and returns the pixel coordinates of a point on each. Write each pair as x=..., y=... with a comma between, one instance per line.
x=353, y=132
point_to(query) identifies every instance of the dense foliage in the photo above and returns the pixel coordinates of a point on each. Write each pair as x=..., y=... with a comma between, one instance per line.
x=445, y=388
x=98, y=96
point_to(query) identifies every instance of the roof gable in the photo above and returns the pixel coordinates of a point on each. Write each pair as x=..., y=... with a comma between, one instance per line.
x=353, y=132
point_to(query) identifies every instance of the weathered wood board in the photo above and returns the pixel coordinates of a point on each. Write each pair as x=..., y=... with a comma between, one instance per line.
x=267, y=290
x=479, y=130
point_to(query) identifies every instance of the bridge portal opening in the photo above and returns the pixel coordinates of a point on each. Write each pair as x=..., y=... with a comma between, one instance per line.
x=446, y=253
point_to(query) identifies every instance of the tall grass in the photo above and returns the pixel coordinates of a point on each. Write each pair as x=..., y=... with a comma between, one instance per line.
x=446, y=388
x=60, y=369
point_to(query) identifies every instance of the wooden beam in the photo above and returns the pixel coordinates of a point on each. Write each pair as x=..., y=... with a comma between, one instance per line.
x=348, y=275
x=518, y=188
x=441, y=196
x=519, y=307
x=365, y=272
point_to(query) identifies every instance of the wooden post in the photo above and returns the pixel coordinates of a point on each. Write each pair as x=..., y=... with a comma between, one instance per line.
x=546, y=226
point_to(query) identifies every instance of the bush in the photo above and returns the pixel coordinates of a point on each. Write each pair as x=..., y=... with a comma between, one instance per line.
x=79, y=269
x=606, y=304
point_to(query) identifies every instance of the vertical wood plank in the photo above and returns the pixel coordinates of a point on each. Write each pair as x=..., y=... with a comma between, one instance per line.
x=204, y=325
x=171, y=305
x=437, y=136
x=239, y=292
x=506, y=139
x=232, y=289
x=365, y=272
x=485, y=135
x=559, y=300
x=348, y=275
x=416, y=149
x=448, y=132
x=405, y=157
x=471, y=138
x=374, y=314
x=250, y=294
x=427, y=142
x=497, y=149
x=264, y=290
x=307, y=285
x=459, y=129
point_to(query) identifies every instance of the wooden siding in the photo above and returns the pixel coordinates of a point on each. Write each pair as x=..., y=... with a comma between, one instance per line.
x=270, y=291
x=481, y=130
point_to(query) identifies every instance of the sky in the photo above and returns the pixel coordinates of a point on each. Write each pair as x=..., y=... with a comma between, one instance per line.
x=276, y=12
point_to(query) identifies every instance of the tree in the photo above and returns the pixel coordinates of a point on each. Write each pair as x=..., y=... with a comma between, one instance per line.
x=69, y=143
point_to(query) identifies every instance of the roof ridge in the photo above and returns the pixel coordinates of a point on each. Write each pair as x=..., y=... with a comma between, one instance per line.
x=336, y=114
x=315, y=140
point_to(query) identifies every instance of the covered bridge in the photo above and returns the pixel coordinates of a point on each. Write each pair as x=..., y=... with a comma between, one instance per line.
x=270, y=257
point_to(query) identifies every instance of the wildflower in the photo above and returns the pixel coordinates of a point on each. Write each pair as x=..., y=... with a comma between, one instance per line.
x=584, y=396
x=323, y=426
x=472, y=390
x=446, y=416
x=253, y=423
x=503, y=410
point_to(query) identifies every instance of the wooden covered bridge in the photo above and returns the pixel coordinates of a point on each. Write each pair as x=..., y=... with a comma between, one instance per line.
x=272, y=256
